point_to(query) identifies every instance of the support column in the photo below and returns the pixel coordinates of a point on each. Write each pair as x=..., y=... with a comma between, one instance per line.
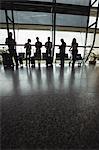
x=7, y=22
x=94, y=34
x=87, y=28
x=11, y=20
x=53, y=26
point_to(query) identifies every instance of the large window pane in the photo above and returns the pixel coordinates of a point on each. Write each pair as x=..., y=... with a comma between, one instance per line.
x=76, y=2
x=42, y=0
x=71, y=20
x=32, y=17
x=2, y=16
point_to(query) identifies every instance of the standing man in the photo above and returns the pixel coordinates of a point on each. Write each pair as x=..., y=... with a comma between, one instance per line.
x=62, y=52
x=48, y=46
x=38, y=46
x=28, y=50
x=11, y=47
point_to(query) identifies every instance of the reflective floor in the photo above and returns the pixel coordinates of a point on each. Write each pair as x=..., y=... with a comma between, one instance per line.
x=49, y=108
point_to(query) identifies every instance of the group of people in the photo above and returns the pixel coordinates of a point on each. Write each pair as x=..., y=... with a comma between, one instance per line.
x=38, y=45
x=73, y=49
x=48, y=45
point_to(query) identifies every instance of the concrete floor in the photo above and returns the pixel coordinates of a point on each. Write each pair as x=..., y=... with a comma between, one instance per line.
x=49, y=108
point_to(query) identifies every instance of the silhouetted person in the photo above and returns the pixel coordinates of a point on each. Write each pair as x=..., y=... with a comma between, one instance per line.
x=28, y=50
x=11, y=47
x=48, y=46
x=74, y=49
x=38, y=46
x=62, y=52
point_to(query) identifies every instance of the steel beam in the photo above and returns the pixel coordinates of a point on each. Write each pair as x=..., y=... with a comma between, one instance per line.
x=53, y=26
x=87, y=29
x=94, y=34
x=7, y=22
x=44, y=7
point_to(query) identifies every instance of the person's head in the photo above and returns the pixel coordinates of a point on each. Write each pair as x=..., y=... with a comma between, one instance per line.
x=10, y=35
x=37, y=38
x=74, y=40
x=48, y=38
x=29, y=40
x=62, y=40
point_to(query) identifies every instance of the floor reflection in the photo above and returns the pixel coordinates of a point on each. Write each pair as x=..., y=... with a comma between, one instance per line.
x=31, y=80
x=50, y=108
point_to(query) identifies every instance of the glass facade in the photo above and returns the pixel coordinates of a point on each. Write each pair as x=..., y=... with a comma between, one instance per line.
x=75, y=2
x=71, y=20
x=44, y=18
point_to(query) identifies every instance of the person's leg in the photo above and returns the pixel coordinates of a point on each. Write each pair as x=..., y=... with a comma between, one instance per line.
x=16, y=59
x=62, y=62
x=11, y=59
x=50, y=53
x=73, y=63
x=47, y=58
x=29, y=60
x=26, y=59
x=39, y=59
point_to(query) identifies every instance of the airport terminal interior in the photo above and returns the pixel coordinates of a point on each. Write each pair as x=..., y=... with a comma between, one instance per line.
x=49, y=74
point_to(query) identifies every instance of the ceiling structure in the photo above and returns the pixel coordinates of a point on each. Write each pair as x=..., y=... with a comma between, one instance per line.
x=69, y=13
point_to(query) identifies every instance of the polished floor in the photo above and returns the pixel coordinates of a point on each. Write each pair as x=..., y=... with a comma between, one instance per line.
x=50, y=108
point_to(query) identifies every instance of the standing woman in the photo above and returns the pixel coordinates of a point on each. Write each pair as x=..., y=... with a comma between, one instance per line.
x=28, y=50
x=74, y=50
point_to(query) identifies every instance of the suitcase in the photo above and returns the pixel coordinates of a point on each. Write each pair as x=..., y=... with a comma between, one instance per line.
x=33, y=61
x=49, y=60
x=7, y=60
x=21, y=57
x=20, y=60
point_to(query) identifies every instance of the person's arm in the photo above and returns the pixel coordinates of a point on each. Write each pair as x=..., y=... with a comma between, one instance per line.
x=70, y=47
x=6, y=41
x=77, y=45
x=35, y=45
x=30, y=47
x=77, y=48
x=25, y=46
x=41, y=45
x=51, y=44
x=46, y=45
x=65, y=45
x=14, y=42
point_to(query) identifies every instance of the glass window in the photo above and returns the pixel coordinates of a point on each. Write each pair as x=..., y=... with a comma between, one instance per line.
x=24, y=17
x=76, y=2
x=71, y=20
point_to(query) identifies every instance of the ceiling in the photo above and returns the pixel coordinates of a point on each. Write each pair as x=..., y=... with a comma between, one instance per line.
x=69, y=13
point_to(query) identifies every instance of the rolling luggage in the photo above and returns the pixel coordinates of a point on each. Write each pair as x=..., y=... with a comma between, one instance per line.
x=21, y=58
x=7, y=60
x=33, y=61
x=49, y=61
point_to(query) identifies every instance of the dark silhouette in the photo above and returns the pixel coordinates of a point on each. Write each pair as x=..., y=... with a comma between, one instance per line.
x=62, y=52
x=74, y=50
x=28, y=50
x=48, y=46
x=38, y=46
x=11, y=47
